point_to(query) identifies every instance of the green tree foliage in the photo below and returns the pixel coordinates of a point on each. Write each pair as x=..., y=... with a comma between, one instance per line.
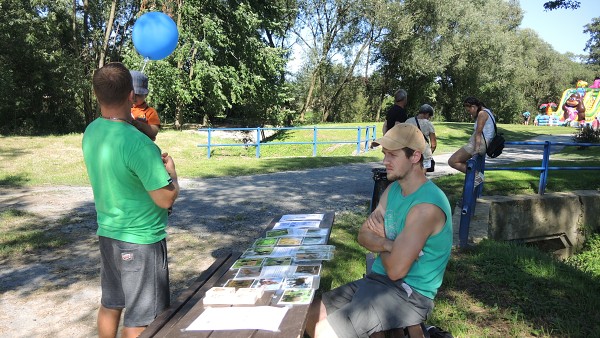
x=593, y=44
x=39, y=82
x=229, y=65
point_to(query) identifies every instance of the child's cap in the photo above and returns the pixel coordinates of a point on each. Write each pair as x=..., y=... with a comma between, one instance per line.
x=140, y=82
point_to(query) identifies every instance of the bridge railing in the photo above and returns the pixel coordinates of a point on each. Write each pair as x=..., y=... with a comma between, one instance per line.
x=364, y=136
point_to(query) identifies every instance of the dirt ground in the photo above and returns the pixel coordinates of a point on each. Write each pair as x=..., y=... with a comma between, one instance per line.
x=56, y=293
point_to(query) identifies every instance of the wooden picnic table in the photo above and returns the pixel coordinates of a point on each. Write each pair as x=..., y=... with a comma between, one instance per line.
x=188, y=306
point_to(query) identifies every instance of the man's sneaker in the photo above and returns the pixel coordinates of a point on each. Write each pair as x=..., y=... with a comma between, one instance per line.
x=478, y=178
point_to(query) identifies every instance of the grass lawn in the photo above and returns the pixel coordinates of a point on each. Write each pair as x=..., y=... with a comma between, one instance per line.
x=57, y=160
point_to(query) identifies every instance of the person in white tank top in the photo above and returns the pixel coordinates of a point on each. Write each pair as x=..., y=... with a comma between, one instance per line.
x=484, y=127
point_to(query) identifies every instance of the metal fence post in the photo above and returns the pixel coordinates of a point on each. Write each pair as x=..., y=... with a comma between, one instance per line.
x=258, y=142
x=368, y=129
x=314, y=141
x=544, y=173
x=208, y=146
x=358, y=141
x=467, y=203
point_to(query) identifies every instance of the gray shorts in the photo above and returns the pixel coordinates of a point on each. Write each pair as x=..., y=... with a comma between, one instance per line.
x=372, y=304
x=134, y=277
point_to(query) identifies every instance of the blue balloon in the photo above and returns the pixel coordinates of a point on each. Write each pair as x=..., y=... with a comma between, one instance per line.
x=155, y=35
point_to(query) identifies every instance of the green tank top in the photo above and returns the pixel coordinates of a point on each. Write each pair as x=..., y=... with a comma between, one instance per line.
x=426, y=274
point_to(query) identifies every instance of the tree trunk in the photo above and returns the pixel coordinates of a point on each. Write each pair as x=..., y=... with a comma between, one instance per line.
x=107, y=30
x=179, y=104
x=308, y=101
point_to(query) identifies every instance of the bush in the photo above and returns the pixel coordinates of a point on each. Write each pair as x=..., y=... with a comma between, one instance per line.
x=587, y=135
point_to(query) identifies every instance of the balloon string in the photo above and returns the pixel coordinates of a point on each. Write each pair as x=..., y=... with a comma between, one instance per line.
x=145, y=62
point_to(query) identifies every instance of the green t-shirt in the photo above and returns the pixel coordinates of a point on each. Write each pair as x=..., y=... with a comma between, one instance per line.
x=123, y=164
x=426, y=273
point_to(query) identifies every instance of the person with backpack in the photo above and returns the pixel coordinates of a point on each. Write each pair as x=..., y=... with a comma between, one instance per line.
x=483, y=133
x=422, y=122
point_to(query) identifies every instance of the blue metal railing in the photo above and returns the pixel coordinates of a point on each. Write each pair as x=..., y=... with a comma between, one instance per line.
x=477, y=164
x=369, y=136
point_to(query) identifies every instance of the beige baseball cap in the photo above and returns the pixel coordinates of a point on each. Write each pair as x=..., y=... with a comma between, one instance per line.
x=400, y=136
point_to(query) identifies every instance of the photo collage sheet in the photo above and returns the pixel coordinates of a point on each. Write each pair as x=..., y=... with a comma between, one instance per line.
x=287, y=260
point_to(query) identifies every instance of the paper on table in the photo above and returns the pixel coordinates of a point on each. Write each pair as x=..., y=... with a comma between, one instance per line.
x=239, y=318
x=302, y=217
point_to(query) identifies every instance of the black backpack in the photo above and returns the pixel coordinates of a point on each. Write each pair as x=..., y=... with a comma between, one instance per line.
x=495, y=147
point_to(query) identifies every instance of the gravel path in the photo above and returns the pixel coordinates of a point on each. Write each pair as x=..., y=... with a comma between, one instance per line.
x=56, y=293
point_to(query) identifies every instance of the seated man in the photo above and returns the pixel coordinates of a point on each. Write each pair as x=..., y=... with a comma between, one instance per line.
x=411, y=230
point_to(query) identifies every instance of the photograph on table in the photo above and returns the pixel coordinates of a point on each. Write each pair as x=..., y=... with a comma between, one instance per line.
x=271, y=283
x=290, y=241
x=302, y=282
x=306, y=269
x=265, y=242
x=258, y=252
x=248, y=272
x=247, y=262
x=296, y=296
x=239, y=283
x=270, y=261
x=302, y=217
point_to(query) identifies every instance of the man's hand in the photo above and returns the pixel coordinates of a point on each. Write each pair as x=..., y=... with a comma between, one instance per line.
x=375, y=223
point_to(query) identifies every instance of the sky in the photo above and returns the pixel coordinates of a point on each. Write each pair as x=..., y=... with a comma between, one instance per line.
x=562, y=28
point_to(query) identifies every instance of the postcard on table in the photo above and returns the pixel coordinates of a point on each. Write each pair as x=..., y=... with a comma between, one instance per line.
x=239, y=283
x=306, y=269
x=265, y=242
x=290, y=241
x=269, y=261
x=269, y=283
x=311, y=256
x=296, y=296
x=316, y=232
x=314, y=240
x=246, y=262
x=277, y=270
x=248, y=272
x=277, y=233
x=301, y=282
x=302, y=217
x=258, y=251
x=296, y=224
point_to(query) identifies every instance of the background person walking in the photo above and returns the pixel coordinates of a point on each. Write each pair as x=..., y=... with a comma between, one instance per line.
x=422, y=122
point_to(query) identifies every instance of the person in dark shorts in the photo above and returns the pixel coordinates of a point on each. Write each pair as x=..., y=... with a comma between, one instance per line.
x=134, y=185
x=411, y=230
x=397, y=113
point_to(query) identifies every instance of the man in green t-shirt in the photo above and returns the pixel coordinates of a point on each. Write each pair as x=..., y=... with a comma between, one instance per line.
x=411, y=230
x=134, y=185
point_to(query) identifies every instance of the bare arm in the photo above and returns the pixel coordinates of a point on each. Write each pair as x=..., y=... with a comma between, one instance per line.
x=372, y=233
x=166, y=196
x=151, y=130
x=432, y=142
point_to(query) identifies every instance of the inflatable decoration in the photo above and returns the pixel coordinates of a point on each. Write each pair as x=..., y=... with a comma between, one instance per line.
x=596, y=83
x=155, y=35
x=548, y=107
x=573, y=109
